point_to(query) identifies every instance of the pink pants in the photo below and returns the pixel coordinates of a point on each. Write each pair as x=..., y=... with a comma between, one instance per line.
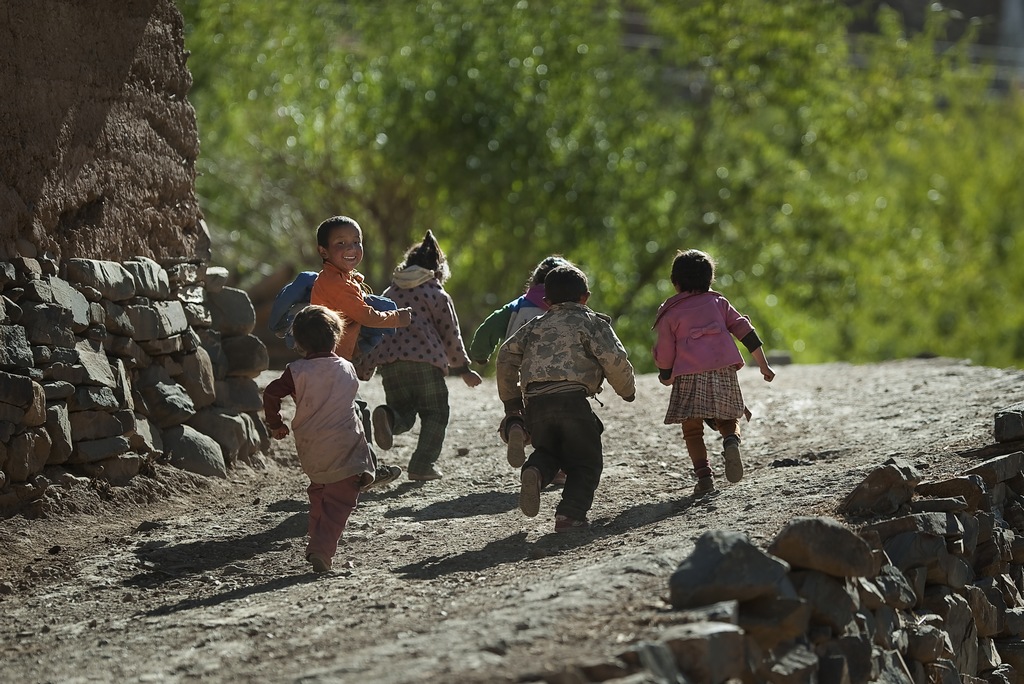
x=330, y=505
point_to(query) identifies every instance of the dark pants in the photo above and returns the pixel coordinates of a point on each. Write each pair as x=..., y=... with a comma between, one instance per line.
x=415, y=389
x=363, y=410
x=566, y=435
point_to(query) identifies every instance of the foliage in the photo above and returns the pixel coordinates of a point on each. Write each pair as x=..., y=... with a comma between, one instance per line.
x=858, y=196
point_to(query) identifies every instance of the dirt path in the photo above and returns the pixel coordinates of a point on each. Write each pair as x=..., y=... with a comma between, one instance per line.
x=178, y=578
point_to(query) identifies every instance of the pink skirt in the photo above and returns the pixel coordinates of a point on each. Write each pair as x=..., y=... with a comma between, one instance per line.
x=711, y=394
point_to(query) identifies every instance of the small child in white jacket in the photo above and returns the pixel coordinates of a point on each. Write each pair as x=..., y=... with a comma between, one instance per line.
x=329, y=438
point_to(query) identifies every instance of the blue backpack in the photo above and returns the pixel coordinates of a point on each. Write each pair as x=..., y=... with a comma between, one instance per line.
x=294, y=297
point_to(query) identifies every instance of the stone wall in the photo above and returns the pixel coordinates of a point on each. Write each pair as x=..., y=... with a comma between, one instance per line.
x=109, y=367
x=928, y=587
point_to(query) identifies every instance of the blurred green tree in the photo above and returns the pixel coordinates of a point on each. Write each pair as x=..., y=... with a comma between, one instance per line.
x=860, y=201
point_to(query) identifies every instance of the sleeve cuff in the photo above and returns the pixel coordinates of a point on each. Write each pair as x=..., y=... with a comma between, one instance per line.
x=514, y=405
x=751, y=341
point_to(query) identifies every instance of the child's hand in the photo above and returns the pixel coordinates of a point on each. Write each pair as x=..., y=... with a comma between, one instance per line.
x=762, y=363
x=472, y=378
x=404, y=317
x=279, y=432
x=667, y=382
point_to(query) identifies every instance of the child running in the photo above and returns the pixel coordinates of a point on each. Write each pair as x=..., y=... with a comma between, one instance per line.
x=697, y=357
x=414, y=361
x=500, y=325
x=552, y=365
x=340, y=287
x=329, y=438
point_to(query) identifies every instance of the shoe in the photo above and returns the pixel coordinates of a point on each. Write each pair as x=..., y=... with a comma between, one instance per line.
x=733, y=462
x=431, y=473
x=564, y=523
x=385, y=475
x=529, y=492
x=559, y=479
x=705, y=485
x=319, y=563
x=516, y=446
x=385, y=439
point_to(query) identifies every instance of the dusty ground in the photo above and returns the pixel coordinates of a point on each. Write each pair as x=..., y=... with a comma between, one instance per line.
x=179, y=578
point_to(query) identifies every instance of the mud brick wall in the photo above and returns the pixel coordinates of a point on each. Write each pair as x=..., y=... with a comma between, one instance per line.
x=97, y=139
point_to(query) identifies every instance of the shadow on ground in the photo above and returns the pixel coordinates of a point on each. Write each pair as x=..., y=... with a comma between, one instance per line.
x=168, y=561
x=237, y=594
x=511, y=549
x=481, y=503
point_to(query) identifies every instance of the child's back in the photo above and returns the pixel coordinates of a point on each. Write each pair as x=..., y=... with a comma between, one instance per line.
x=414, y=363
x=546, y=373
x=329, y=439
x=433, y=336
x=501, y=323
x=569, y=344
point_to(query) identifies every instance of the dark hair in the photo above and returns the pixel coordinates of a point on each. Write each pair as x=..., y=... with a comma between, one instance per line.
x=693, y=271
x=565, y=284
x=323, y=231
x=316, y=329
x=544, y=267
x=428, y=255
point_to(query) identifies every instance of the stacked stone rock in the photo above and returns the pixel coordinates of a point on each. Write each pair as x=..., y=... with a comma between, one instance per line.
x=928, y=588
x=106, y=367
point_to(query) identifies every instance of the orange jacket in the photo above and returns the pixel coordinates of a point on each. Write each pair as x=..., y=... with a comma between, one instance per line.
x=343, y=293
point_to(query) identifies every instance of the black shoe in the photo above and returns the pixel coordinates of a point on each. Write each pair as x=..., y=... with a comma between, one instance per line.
x=529, y=492
x=516, y=454
x=733, y=461
x=382, y=430
x=319, y=563
x=705, y=485
x=564, y=523
x=385, y=475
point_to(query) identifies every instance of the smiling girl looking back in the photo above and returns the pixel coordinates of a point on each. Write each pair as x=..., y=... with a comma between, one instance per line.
x=340, y=288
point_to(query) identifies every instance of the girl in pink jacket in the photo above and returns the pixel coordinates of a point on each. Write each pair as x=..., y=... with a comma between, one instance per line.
x=696, y=355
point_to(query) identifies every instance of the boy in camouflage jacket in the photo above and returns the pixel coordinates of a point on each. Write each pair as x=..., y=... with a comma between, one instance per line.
x=545, y=372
